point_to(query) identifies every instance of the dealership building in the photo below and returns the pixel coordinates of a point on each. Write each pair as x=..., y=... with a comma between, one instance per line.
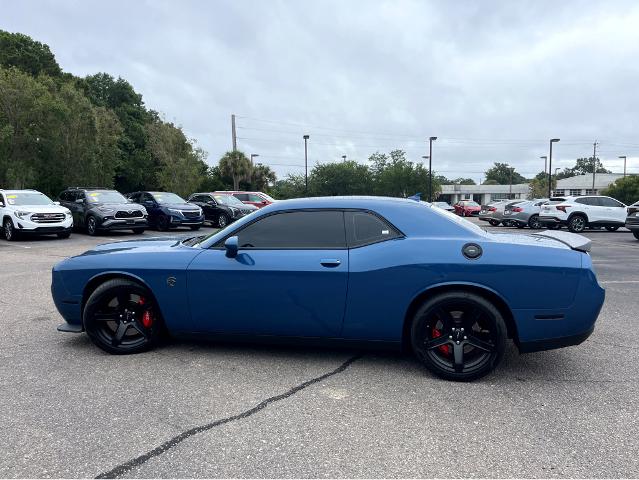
x=483, y=194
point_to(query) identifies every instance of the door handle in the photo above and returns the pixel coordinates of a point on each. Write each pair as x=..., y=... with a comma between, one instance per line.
x=330, y=262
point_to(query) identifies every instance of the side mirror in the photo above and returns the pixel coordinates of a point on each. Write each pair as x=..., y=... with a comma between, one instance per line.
x=232, y=246
x=56, y=203
x=264, y=202
x=79, y=200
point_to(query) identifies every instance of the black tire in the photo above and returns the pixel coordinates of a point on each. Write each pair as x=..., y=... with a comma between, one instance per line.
x=533, y=222
x=612, y=229
x=91, y=225
x=162, y=223
x=138, y=231
x=222, y=220
x=577, y=223
x=9, y=230
x=636, y=234
x=121, y=317
x=64, y=235
x=195, y=227
x=441, y=341
x=494, y=223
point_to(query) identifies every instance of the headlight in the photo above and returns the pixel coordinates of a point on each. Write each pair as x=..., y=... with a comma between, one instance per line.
x=67, y=213
x=22, y=215
x=233, y=211
x=143, y=210
x=173, y=210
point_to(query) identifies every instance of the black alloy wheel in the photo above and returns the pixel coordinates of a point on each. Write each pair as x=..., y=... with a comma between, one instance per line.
x=121, y=317
x=533, y=222
x=92, y=225
x=612, y=228
x=494, y=223
x=458, y=336
x=163, y=223
x=222, y=220
x=577, y=224
x=9, y=230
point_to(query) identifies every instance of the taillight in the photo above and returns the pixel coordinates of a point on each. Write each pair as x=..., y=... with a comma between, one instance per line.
x=517, y=209
x=562, y=207
x=492, y=209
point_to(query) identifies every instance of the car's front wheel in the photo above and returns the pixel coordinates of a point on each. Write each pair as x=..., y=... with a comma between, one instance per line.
x=92, y=226
x=533, y=222
x=458, y=335
x=222, y=221
x=577, y=224
x=494, y=223
x=121, y=317
x=9, y=231
x=636, y=234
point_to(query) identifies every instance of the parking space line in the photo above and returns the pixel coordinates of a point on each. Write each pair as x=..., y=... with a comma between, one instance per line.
x=14, y=245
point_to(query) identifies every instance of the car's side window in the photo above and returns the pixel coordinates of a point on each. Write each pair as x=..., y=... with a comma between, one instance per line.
x=364, y=228
x=241, y=196
x=321, y=229
x=609, y=202
x=583, y=201
x=254, y=198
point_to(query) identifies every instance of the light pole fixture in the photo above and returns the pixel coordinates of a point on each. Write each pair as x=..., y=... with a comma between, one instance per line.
x=545, y=157
x=343, y=158
x=306, y=137
x=253, y=155
x=624, y=164
x=430, y=168
x=552, y=140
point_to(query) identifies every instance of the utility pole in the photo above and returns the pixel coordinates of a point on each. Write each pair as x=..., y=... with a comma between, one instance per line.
x=624, y=165
x=552, y=140
x=594, y=165
x=233, y=134
x=306, y=137
x=545, y=163
x=430, y=168
x=510, y=190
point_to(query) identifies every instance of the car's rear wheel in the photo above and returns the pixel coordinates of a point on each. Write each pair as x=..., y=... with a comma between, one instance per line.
x=494, y=223
x=612, y=228
x=636, y=234
x=222, y=221
x=577, y=224
x=9, y=231
x=533, y=222
x=121, y=317
x=92, y=226
x=458, y=335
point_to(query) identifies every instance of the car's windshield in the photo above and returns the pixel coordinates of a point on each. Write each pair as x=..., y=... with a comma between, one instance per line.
x=268, y=197
x=228, y=200
x=167, y=198
x=28, y=198
x=106, y=196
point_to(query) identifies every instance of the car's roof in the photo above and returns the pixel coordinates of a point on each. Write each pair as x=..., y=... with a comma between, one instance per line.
x=24, y=190
x=238, y=191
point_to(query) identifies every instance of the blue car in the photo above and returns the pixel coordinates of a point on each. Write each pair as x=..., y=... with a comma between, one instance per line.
x=167, y=210
x=348, y=270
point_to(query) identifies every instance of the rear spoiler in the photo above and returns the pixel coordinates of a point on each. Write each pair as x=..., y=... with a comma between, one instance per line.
x=573, y=240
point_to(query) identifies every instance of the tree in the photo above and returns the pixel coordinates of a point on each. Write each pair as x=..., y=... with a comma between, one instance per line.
x=236, y=166
x=260, y=177
x=340, y=178
x=490, y=182
x=503, y=174
x=293, y=186
x=539, y=186
x=583, y=166
x=464, y=181
x=395, y=176
x=625, y=189
x=21, y=51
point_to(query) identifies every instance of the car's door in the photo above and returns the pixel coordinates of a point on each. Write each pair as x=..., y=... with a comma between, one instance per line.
x=289, y=278
x=151, y=205
x=615, y=210
x=77, y=209
x=208, y=205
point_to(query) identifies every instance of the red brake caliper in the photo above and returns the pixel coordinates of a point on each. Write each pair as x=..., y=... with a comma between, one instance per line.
x=147, y=318
x=445, y=349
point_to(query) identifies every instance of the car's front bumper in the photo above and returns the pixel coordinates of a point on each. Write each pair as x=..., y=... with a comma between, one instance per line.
x=632, y=223
x=36, y=228
x=123, y=223
x=176, y=221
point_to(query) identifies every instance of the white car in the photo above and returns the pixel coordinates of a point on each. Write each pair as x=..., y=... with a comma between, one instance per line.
x=577, y=213
x=31, y=212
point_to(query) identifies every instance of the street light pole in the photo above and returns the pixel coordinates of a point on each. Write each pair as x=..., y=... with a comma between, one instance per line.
x=306, y=137
x=624, y=164
x=545, y=157
x=430, y=168
x=594, y=165
x=253, y=155
x=552, y=140
x=343, y=158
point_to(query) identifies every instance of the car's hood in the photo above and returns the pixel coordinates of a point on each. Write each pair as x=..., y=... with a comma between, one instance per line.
x=187, y=207
x=40, y=208
x=118, y=206
x=146, y=245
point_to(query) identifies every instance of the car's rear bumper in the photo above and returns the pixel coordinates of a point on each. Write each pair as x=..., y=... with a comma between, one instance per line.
x=552, y=343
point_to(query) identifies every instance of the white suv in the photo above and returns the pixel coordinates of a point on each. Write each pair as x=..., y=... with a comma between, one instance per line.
x=577, y=213
x=32, y=212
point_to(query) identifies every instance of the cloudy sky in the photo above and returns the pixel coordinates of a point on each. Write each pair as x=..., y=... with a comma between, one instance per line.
x=493, y=80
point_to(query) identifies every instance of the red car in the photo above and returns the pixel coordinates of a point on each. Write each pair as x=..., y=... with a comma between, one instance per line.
x=257, y=199
x=467, y=208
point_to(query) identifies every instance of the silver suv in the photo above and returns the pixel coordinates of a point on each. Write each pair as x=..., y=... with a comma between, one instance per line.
x=525, y=213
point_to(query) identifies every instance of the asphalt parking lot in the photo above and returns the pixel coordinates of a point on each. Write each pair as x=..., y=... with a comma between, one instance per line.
x=210, y=410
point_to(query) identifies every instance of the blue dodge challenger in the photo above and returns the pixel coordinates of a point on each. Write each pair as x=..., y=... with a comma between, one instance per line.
x=341, y=269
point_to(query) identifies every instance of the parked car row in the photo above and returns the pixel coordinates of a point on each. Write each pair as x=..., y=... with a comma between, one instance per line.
x=95, y=209
x=575, y=213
